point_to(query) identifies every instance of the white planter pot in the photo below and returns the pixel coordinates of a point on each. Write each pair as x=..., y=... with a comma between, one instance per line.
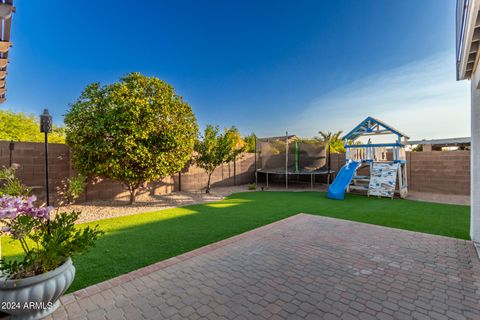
x=36, y=297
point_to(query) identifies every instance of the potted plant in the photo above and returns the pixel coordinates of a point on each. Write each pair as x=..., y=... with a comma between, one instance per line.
x=31, y=286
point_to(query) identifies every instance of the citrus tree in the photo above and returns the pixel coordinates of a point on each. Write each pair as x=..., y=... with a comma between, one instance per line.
x=215, y=148
x=134, y=131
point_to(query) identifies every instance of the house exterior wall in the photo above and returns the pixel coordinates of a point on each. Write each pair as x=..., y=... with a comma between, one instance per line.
x=467, y=56
x=475, y=158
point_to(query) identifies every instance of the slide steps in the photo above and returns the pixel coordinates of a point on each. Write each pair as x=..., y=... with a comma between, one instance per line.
x=360, y=183
x=358, y=187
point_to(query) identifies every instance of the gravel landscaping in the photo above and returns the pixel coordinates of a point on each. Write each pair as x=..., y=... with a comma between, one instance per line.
x=97, y=210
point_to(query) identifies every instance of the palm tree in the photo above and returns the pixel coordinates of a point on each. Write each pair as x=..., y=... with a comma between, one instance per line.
x=329, y=138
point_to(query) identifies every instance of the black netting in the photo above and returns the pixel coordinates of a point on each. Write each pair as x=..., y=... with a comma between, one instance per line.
x=298, y=157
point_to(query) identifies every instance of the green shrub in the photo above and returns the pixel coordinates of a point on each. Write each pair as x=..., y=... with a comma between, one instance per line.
x=71, y=189
x=10, y=184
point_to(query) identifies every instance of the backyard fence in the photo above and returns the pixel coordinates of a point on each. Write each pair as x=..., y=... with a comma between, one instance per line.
x=444, y=172
x=30, y=157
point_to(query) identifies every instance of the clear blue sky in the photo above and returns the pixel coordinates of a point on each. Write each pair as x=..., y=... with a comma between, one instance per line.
x=264, y=66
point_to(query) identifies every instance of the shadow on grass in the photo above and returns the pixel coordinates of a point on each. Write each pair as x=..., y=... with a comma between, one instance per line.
x=135, y=241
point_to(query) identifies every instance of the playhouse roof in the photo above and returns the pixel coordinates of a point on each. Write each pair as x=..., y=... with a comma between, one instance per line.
x=371, y=126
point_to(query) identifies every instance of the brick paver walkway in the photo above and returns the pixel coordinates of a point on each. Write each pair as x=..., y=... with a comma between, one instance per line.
x=303, y=267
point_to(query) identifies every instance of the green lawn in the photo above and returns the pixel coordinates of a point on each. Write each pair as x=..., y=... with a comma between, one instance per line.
x=135, y=241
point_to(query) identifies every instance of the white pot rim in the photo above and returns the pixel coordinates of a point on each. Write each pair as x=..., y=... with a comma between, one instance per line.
x=19, y=283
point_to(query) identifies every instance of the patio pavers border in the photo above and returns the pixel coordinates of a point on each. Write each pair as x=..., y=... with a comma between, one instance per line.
x=111, y=283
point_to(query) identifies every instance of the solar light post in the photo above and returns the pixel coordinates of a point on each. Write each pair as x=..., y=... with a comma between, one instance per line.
x=46, y=127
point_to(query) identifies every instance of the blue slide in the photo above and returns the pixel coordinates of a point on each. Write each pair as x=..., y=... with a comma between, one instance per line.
x=337, y=188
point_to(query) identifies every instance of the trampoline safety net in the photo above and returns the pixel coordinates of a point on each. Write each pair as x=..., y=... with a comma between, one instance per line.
x=297, y=156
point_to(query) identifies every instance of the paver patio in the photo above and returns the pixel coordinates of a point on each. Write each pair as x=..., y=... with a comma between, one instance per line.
x=303, y=267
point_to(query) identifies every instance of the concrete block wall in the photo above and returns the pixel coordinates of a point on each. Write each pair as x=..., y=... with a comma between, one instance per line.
x=338, y=161
x=242, y=171
x=444, y=172
x=31, y=160
x=105, y=189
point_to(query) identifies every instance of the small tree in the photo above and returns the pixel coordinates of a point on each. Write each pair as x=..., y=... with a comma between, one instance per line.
x=70, y=189
x=215, y=148
x=333, y=143
x=134, y=131
x=250, y=141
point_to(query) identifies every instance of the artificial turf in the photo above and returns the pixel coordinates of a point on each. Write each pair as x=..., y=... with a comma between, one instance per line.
x=135, y=241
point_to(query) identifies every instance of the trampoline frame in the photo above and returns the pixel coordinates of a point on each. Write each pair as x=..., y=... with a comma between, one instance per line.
x=288, y=170
x=286, y=173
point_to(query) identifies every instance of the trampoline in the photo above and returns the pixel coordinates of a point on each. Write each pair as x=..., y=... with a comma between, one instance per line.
x=289, y=155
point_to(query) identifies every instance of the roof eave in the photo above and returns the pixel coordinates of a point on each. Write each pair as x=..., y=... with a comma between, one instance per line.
x=468, y=38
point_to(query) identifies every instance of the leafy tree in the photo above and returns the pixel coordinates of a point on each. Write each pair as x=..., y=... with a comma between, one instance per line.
x=216, y=148
x=418, y=148
x=26, y=128
x=134, y=131
x=332, y=141
x=250, y=141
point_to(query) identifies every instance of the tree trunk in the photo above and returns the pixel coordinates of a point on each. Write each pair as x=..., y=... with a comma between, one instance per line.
x=208, y=182
x=133, y=194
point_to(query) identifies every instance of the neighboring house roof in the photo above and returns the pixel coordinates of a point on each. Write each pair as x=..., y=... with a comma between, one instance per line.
x=289, y=137
x=468, y=37
x=442, y=142
x=371, y=126
x=6, y=10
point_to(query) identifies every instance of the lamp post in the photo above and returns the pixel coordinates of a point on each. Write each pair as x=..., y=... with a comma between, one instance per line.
x=11, y=147
x=46, y=127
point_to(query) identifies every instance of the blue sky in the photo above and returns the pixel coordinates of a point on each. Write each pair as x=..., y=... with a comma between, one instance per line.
x=264, y=66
